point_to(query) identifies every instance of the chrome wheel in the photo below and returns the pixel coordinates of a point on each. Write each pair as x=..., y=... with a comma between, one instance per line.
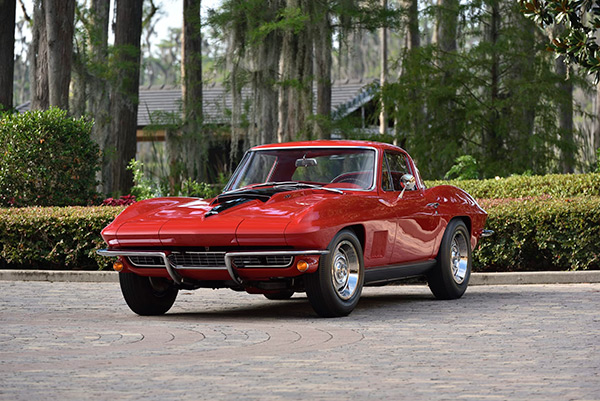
x=450, y=277
x=335, y=288
x=345, y=270
x=459, y=257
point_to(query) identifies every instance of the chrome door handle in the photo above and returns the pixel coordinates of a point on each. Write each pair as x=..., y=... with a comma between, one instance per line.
x=433, y=205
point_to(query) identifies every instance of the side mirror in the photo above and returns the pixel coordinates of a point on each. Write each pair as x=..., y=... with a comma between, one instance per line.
x=409, y=182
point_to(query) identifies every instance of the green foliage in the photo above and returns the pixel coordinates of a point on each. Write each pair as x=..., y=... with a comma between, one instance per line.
x=578, y=20
x=54, y=237
x=541, y=234
x=598, y=160
x=465, y=168
x=495, y=100
x=145, y=188
x=47, y=159
x=555, y=185
x=530, y=234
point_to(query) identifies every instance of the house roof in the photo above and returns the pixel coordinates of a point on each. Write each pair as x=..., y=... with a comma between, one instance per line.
x=346, y=97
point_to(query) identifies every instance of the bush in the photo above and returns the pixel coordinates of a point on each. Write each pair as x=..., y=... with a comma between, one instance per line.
x=530, y=234
x=464, y=168
x=46, y=159
x=54, y=237
x=146, y=188
x=556, y=185
x=541, y=234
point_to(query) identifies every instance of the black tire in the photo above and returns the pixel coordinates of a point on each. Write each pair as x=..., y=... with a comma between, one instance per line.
x=450, y=277
x=147, y=296
x=339, y=299
x=280, y=296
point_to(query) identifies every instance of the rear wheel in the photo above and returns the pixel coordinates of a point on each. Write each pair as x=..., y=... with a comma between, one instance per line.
x=147, y=296
x=450, y=277
x=335, y=288
x=279, y=296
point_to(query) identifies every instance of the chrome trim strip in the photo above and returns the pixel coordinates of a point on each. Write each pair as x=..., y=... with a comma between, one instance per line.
x=174, y=275
x=487, y=233
x=230, y=255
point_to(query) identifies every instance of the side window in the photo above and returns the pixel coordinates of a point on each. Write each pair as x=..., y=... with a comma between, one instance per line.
x=395, y=166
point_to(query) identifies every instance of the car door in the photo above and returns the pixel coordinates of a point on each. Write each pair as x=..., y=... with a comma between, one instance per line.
x=416, y=220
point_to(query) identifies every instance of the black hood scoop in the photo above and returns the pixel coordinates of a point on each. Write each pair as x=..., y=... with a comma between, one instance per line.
x=226, y=205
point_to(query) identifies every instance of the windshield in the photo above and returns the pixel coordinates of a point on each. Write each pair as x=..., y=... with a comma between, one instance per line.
x=340, y=168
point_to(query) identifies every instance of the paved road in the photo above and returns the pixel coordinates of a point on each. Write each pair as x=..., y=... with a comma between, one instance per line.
x=80, y=341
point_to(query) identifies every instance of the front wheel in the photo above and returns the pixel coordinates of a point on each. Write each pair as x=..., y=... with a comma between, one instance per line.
x=147, y=296
x=450, y=277
x=335, y=288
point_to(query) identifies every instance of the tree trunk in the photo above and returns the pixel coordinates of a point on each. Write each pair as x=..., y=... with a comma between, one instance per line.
x=413, y=42
x=99, y=97
x=38, y=59
x=7, y=52
x=596, y=134
x=59, y=27
x=565, y=118
x=270, y=50
x=196, y=146
x=383, y=117
x=412, y=22
x=121, y=143
x=323, y=62
x=295, y=104
x=80, y=80
x=492, y=140
x=446, y=25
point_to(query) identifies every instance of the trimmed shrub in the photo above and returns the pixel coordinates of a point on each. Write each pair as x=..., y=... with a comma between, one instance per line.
x=530, y=234
x=540, y=234
x=47, y=159
x=556, y=185
x=54, y=237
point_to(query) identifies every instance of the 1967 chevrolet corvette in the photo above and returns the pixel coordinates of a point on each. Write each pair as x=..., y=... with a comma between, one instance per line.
x=321, y=217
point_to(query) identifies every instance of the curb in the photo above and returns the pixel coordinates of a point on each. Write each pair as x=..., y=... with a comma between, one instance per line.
x=547, y=277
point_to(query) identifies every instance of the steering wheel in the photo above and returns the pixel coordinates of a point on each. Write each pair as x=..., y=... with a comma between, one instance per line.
x=351, y=178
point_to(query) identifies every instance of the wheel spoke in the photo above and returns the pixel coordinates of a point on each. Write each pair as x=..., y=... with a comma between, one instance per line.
x=459, y=257
x=345, y=270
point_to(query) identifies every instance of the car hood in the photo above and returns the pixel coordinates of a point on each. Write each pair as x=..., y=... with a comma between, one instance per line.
x=233, y=221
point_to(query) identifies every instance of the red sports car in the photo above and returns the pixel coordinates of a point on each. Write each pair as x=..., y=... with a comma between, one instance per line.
x=321, y=217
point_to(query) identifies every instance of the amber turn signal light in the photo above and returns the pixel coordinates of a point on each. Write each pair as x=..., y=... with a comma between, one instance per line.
x=118, y=266
x=302, y=266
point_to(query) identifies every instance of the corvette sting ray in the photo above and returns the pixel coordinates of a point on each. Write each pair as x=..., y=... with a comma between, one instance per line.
x=321, y=217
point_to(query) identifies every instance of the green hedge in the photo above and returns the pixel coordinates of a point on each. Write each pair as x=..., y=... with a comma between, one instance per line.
x=541, y=234
x=555, y=185
x=530, y=234
x=47, y=159
x=54, y=237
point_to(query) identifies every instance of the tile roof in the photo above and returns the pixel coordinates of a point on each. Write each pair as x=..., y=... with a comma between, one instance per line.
x=156, y=102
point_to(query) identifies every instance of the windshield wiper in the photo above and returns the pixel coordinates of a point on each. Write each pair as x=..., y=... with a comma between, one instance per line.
x=305, y=185
x=276, y=184
x=264, y=184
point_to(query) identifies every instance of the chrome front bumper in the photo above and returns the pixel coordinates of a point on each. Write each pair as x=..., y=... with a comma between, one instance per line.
x=176, y=277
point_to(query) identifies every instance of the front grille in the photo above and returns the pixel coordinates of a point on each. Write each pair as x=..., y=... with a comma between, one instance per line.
x=146, y=261
x=198, y=259
x=263, y=261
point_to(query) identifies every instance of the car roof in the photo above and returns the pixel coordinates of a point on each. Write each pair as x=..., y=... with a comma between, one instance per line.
x=328, y=143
